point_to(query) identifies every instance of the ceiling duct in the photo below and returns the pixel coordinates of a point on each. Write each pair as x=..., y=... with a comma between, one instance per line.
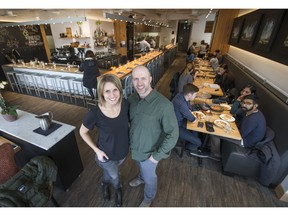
x=8, y=14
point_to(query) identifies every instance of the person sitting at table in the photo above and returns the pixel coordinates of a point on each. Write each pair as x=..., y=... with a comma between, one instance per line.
x=224, y=78
x=202, y=49
x=214, y=62
x=236, y=109
x=190, y=58
x=185, y=77
x=252, y=127
x=183, y=108
x=219, y=56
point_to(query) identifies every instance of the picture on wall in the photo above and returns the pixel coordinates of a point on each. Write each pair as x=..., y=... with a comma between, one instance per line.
x=250, y=29
x=236, y=30
x=280, y=45
x=270, y=24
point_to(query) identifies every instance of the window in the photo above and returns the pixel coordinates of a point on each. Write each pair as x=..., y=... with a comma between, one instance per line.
x=209, y=27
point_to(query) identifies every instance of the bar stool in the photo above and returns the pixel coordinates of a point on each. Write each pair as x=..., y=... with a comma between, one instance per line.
x=77, y=90
x=65, y=87
x=21, y=81
x=39, y=83
x=51, y=85
x=88, y=99
x=127, y=86
x=13, y=81
x=29, y=82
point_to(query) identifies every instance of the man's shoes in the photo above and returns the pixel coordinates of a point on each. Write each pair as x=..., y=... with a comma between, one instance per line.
x=136, y=182
x=198, y=153
x=145, y=203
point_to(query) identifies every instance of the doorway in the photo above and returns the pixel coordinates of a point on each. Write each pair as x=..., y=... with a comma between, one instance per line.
x=183, y=35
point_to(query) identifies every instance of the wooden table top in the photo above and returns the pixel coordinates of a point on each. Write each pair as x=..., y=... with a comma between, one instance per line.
x=203, y=85
x=212, y=116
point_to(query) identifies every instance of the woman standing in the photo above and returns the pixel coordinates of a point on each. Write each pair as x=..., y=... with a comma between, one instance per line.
x=110, y=116
x=91, y=72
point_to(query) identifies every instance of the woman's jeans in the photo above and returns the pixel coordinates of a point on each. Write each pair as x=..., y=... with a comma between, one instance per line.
x=148, y=175
x=110, y=171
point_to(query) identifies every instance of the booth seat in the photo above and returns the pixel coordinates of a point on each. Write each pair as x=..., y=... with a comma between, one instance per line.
x=275, y=110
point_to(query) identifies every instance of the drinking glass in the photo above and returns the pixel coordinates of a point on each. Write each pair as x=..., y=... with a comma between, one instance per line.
x=227, y=128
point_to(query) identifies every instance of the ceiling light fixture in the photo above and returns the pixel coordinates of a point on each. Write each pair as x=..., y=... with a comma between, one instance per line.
x=210, y=11
x=50, y=21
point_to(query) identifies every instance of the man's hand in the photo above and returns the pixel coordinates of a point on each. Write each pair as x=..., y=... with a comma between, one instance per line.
x=152, y=159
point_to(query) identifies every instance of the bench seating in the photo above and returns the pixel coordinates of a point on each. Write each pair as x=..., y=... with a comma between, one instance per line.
x=275, y=111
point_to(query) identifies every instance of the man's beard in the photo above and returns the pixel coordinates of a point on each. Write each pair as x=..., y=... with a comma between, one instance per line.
x=247, y=110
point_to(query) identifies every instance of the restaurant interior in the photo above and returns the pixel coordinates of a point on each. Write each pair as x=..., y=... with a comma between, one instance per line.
x=42, y=50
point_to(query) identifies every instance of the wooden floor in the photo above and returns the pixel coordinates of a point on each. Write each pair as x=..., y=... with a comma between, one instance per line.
x=181, y=183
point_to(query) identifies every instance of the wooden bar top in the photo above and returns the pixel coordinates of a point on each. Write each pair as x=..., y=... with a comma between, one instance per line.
x=126, y=69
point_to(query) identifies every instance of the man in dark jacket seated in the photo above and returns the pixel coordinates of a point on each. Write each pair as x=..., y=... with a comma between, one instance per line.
x=224, y=78
x=252, y=127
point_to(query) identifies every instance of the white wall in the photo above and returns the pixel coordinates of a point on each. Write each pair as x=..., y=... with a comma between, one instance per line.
x=274, y=72
x=198, y=28
x=88, y=28
x=166, y=33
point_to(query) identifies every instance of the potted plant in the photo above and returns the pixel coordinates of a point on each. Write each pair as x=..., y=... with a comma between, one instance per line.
x=9, y=112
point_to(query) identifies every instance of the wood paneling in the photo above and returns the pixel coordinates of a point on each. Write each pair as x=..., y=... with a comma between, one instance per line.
x=46, y=46
x=224, y=23
x=120, y=35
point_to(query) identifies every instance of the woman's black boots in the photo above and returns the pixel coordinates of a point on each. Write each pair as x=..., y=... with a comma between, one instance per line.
x=105, y=191
x=118, y=197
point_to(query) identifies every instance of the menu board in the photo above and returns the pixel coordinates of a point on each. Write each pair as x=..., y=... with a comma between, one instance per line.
x=20, y=36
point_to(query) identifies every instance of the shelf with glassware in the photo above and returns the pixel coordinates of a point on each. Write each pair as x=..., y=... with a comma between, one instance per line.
x=71, y=38
x=104, y=41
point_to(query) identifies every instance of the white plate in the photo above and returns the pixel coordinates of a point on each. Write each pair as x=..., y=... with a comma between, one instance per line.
x=227, y=117
x=226, y=107
x=198, y=115
x=220, y=123
x=214, y=86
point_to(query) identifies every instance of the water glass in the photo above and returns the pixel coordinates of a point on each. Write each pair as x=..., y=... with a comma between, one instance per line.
x=227, y=129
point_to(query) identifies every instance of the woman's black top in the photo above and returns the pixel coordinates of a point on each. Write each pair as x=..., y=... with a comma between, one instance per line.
x=113, y=133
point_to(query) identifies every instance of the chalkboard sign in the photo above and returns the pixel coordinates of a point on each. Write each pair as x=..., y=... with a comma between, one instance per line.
x=27, y=40
x=20, y=36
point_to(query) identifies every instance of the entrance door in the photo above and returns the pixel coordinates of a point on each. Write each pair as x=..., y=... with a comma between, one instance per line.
x=184, y=29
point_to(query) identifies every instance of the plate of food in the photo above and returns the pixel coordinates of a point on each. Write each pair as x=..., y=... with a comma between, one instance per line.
x=204, y=95
x=221, y=123
x=214, y=86
x=120, y=73
x=199, y=115
x=216, y=108
x=226, y=107
x=227, y=117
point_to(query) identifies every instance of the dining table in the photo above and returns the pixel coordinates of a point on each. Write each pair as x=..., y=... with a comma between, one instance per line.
x=206, y=85
x=222, y=127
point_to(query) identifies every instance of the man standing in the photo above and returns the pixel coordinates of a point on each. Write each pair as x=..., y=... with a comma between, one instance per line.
x=144, y=45
x=153, y=133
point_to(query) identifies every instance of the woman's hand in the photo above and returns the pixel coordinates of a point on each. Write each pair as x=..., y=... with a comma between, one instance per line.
x=101, y=155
